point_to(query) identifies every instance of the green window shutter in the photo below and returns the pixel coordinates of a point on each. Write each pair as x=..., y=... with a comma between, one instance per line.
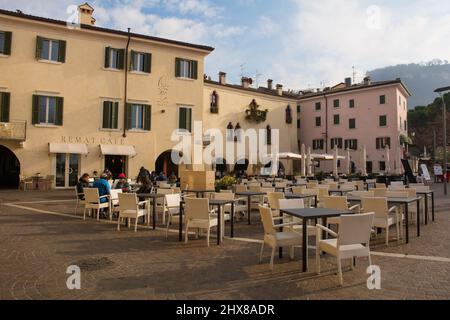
x=182, y=119
x=4, y=104
x=195, y=70
x=132, y=55
x=148, y=118
x=59, y=111
x=177, y=67
x=128, y=116
x=121, y=59
x=62, y=51
x=107, y=56
x=115, y=116
x=106, y=114
x=8, y=40
x=148, y=63
x=39, y=44
x=35, y=110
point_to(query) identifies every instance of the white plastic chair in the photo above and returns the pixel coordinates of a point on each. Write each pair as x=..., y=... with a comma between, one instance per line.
x=172, y=204
x=339, y=203
x=352, y=241
x=275, y=239
x=285, y=204
x=114, y=198
x=79, y=201
x=93, y=202
x=198, y=215
x=129, y=208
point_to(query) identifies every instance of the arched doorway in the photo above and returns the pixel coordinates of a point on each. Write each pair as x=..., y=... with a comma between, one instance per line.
x=9, y=169
x=165, y=164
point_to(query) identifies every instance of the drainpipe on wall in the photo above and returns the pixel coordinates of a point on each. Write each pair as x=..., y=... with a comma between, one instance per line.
x=126, y=85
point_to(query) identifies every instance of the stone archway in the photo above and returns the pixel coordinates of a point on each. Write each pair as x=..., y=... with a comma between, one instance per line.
x=165, y=164
x=9, y=169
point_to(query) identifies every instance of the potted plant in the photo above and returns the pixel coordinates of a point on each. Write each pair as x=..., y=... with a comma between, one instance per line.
x=226, y=183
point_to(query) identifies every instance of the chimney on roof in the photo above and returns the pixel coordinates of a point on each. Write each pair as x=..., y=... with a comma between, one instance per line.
x=280, y=89
x=270, y=84
x=367, y=81
x=85, y=12
x=348, y=82
x=222, y=78
x=246, y=82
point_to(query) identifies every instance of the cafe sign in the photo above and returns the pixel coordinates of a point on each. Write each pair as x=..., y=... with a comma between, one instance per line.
x=93, y=140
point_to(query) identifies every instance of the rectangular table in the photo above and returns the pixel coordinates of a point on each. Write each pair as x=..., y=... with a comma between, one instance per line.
x=249, y=196
x=426, y=194
x=301, y=196
x=400, y=201
x=311, y=214
x=199, y=193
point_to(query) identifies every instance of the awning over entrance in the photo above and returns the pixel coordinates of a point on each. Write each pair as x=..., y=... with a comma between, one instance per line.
x=111, y=150
x=70, y=148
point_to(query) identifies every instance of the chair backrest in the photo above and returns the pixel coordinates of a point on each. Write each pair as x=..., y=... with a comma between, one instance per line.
x=226, y=191
x=274, y=198
x=91, y=195
x=355, y=229
x=267, y=220
x=322, y=192
x=380, y=186
x=360, y=185
x=326, y=186
x=223, y=196
x=420, y=188
x=268, y=190
x=339, y=203
x=379, y=192
x=114, y=193
x=396, y=188
x=413, y=185
x=267, y=184
x=343, y=180
x=254, y=188
x=377, y=205
x=280, y=184
x=397, y=194
x=312, y=185
x=397, y=184
x=363, y=194
x=348, y=187
x=244, y=180
x=284, y=204
x=164, y=185
x=298, y=190
x=128, y=201
x=329, y=181
x=241, y=188
x=176, y=190
x=173, y=200
x=197, y=208
x=165, y=191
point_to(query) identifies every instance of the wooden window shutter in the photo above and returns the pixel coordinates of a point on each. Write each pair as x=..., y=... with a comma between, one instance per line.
x=62, y=51
x=4, y=104
x=121, y=62
x=115, y=115
x=148, y=118
x=177, y=67
x=8, y=41
x=132, y=55
x=107, y=114
x=35, y=110
x=59, y=111
x=194, y=70
x=128, y=116
x=189, y=119
x=148, y=63
x=107, y=56
x=39, y=44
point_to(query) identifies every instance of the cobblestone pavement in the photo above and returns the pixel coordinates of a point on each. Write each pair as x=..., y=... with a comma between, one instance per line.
x=41, y=236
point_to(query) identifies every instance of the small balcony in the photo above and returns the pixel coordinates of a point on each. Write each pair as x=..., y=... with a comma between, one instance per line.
x=13, y=130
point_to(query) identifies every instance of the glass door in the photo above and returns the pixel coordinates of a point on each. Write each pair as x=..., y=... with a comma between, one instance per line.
x=67, y=170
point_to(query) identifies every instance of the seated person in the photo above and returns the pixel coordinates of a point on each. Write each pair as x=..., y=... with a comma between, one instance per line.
x=104, y=189
x=123, y=183
x=82, y=183
x=146, y=187
x=162, y=177
x=173, y=178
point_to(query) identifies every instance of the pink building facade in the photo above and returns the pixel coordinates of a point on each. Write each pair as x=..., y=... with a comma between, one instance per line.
x=349, y=117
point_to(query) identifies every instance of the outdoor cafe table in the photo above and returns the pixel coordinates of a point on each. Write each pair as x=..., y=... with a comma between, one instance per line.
x=152, y=196
x=213, y=203
x=249, y=196
x=310, y=214
x=301, y=196
x=199, y=193
x=426, y=194
x=400, y=201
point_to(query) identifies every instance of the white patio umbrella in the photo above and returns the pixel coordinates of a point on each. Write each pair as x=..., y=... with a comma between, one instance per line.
x=399, y=161
x=303, y=160
x=335, y=163
x=388, y=160
x=309, y=164
x=349, y=162
x=363, y=161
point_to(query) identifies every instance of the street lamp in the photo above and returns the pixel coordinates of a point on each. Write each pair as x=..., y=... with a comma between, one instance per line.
x=440, y=91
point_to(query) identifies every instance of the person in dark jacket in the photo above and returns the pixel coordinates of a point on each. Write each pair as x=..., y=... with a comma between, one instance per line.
x=145, y=188
x=82, y=183
x=142, y=174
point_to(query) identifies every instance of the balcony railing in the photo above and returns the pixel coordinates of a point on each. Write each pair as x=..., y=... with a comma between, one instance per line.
x=13, y=130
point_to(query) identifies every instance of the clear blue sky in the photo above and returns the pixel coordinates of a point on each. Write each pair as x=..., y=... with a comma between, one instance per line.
x=299, y=43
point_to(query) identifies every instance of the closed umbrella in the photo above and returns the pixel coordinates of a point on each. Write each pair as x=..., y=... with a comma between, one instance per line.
x=349, y=162
x=335, y=163
x=363, y=162
x=399, y=163
x=388, y=160
x=309, y=164
x=303, y=160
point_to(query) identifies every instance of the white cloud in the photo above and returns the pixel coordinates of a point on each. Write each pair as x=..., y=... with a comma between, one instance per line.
x=266, y=26
x=201, y=7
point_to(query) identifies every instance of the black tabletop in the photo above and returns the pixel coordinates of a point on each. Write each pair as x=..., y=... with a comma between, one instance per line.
x=214, y=202
x=151, y=195
x=298, y=196
x=249, y=193
x=313, y=213
x=389, y=199
x=198, y=191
